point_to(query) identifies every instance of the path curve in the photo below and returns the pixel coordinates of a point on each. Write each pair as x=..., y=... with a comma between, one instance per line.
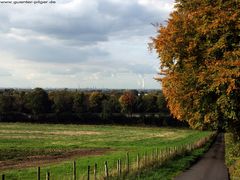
x=211, y=166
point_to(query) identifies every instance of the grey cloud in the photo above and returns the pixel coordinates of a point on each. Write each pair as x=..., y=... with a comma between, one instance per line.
x=81, y=30
x=66, y=71
x=105, y=71
x=129, y=15
x=103, y=38
x=51, y=53
x=60, y=55
x=94, y=26
x=78, y=34
x=74, y=29
x=128, y=67
x=78, y=70
x=142, y=69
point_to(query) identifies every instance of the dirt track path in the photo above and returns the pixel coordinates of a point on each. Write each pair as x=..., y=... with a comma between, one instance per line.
x=33, y=161
x=211, y=166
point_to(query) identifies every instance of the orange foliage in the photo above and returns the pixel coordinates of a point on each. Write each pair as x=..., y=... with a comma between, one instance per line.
x=199, y=50
x=127, y=101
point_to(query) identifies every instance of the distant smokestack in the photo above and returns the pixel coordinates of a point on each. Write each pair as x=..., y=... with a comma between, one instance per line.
x=143, y=82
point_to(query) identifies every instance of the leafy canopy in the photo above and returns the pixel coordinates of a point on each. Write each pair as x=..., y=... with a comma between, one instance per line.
x=199, y=51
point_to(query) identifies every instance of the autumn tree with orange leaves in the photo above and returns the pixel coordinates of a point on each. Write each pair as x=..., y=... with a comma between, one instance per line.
x=127, y=101
x=199, y=51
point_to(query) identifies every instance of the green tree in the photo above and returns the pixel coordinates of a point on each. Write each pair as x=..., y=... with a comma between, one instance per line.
x=6, y=102
x=150, y=103
x=79, y=103
x=95, y=101
x=19, y=101
x=199, y=51
x=110, y=105
x=38, y=101
x=161, y=103
x=139, y=104
x=62, y=101
x=106, y=109
x=114, y=104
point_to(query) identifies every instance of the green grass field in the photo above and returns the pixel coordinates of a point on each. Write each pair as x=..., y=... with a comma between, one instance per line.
x=20, y=142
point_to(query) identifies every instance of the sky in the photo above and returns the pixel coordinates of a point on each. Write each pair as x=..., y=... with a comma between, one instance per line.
x=80, y=43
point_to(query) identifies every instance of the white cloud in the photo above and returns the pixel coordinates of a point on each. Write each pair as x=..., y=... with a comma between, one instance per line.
x=163, y=5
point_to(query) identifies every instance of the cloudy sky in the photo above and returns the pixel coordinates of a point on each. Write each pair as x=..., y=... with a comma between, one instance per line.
x=80, y=43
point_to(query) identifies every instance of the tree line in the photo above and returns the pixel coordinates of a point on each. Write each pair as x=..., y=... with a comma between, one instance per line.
x=41, y=105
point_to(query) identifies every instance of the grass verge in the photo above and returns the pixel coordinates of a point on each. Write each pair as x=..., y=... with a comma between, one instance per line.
x=232, y=157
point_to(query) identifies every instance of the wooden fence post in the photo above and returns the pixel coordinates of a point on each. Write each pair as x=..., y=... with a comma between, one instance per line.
x=95, y=171
x=138, y=162
x=48, y=175
x=157, y=155
x=88, y=173
x=3, y=176
x=127, y=162
x=38, y=173
x=74, y=170
x=119, y=170
x=106, y=169
x=145, y=158
x=161, y=157
x=120, y=167
x=153, y=156
x=166, y=154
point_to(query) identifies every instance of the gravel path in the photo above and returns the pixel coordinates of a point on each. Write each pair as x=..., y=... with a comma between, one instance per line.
x=211, y=166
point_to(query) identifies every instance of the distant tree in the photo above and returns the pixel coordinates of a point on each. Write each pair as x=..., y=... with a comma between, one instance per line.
x=6, y=102
x=150, y=103
x=106, y=109
x=139, y=104
x=114, y=104
x=161, y=103
x=79, y=103
x=62, y=101
x=95, y=101
x=127, y=102
x=38, y=101
x=200, y=63
x=19, y=101
x=134, y=92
